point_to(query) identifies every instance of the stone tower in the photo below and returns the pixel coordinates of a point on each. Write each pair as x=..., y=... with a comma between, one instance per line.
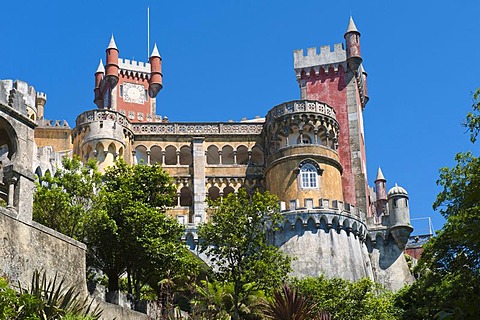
x=127, y=86
x=337, y=78
x=125, y=93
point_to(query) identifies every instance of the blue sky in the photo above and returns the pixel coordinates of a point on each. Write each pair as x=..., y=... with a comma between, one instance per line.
x=227, y=59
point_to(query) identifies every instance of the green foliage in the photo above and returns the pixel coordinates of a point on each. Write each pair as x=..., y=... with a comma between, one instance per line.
x=131, y=233
x=473, y=117
x=214, y=300
x=45, y=300
x=64, y=201
x=449, y=283
x=343, y=299
x=235, y=240
x=289, y=304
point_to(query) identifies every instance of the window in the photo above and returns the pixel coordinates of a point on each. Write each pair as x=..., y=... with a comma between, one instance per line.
x=308, y=176
x=293, y=204
x=304, y=139
x=120, y=91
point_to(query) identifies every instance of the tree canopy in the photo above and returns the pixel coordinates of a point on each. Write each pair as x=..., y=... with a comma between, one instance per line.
x=132, y=233
x=235, y=239
x=63, y=201
x=449, y=282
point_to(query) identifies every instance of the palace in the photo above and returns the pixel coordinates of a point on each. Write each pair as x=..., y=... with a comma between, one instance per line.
x=309, y=152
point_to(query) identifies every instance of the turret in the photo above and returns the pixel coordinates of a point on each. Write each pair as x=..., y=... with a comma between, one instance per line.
x=111, y=67
x=155, y=82
x=41, y=100
x=399, y=227
x=352, y=39
x=381, y=193
x=98, y=80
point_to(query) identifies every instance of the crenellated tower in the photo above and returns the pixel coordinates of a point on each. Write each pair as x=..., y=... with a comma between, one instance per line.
x=338, y=78
x=128, y=86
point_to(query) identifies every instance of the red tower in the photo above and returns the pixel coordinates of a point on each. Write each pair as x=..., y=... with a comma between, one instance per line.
x=127, y=86
x=338, y=78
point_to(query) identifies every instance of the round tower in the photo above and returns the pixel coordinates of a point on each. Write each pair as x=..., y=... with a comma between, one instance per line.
x=352, y=39
x=303, y=165
x=103, y=135
x=111, y=68
x=155, y=81
x=41, y=100
x=399, y=224
x=325, y=234
x=99, y=74
x=381, y=194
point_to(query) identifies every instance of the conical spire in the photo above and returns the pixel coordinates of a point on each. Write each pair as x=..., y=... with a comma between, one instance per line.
x=380, y=175
x=351, y=26
x=100, y=68
x=112, y=44
x=155, y=52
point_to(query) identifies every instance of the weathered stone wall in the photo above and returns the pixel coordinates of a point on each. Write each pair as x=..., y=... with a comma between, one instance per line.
x=60, y=138
x=323, y=250
x=389, y=265
x=26, y=247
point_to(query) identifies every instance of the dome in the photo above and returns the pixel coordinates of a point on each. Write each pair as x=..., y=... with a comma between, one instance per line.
x=397, y=190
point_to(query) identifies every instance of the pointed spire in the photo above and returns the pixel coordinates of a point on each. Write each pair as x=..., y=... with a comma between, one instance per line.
x=155, y=52
x=100, y=68
x=112, y=44
x=351, y=26
x=380, y=175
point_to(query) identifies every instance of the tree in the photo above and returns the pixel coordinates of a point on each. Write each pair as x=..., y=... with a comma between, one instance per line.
x=343, y=299
x=449, y=283
x=473, y=117
x=131, y=232
x=235, y=239
x=64, y=201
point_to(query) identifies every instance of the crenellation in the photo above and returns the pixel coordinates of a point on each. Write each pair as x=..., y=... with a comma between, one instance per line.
x=325, y=57
x=133, y=65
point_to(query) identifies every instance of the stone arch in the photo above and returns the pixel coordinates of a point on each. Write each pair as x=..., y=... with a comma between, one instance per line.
x=186, y=157
x=257, y=156
x=242, y=155
x=156, y=155
x=38, y=172
x=299, y=225
x=324, y=223
x=170, y=155
x=186, y=197
x=141, y=155
x=213, y=193
x=227, y=190
x=8, y=141
x=311, y=225
x=227, y=155
x=120, y=152
x=190, y=240
x=99, y=150
x=213, y=157
x=112, y=152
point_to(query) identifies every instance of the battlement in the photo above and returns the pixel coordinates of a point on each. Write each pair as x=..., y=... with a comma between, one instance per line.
x=132, y=65
x=41, y=95
x=18, y=95
x=53, y=123
x=325, y=57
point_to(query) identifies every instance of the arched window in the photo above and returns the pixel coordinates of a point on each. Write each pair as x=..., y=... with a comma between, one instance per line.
x=309, y=176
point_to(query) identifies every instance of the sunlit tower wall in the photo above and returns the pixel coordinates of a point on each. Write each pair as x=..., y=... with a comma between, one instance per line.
x=125, y=92
x=324, y=233
x=338, y=78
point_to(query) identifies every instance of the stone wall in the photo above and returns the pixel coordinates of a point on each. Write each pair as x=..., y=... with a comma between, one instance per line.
x=26, y=247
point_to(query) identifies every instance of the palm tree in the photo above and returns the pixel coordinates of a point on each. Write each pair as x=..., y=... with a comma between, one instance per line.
x=289, y=304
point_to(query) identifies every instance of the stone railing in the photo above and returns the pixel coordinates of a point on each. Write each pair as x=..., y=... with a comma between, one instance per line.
x=197, y=128
x=100, y=115
x=299, y=106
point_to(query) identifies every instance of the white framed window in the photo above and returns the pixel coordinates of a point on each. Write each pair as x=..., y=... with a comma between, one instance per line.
x=308, y=176
x=293, y=204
